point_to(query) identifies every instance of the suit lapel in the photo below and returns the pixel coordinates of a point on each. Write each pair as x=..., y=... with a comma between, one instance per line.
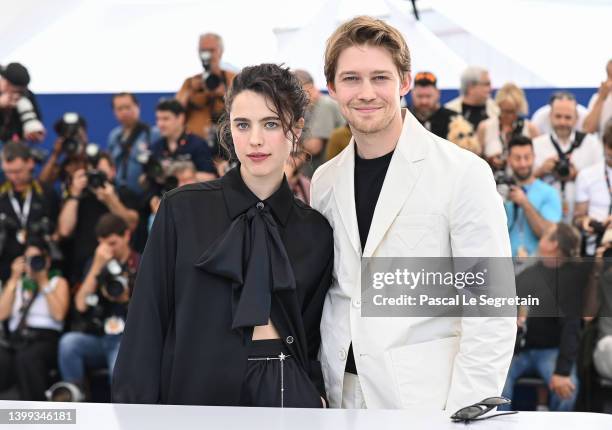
x=344, y=195
x=402, y=175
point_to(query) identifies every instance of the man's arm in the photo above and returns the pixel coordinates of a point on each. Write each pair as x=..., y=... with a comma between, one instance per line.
x=478, y=228
x=591, y=121
x=68, y=216
x=108, y=195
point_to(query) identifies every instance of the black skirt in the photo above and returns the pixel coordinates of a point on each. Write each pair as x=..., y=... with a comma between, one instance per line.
x=275, y=379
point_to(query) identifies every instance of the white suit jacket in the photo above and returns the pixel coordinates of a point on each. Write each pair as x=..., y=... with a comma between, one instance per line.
x=437, y=200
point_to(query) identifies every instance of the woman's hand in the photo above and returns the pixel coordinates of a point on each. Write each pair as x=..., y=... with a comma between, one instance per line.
x=18, y=268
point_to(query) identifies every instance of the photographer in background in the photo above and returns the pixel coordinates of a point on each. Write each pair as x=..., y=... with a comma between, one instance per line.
x=35, y=302
x=102, y=304
x=426, y=105
x=178, y=144
x=26, y=206
x=531, y=206
x=19, y=112
x=69, y=150
x=563, y=153
x=593, y=211
x=202, y=95
x=91, y=194
x=549, y=345
x=129, y=142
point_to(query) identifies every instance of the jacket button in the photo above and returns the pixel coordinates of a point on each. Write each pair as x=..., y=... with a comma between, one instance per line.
x=289, y=340
x=342, y=354
x=259, y=205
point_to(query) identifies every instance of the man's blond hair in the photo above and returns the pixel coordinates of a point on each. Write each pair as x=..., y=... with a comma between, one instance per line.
x=365, y=30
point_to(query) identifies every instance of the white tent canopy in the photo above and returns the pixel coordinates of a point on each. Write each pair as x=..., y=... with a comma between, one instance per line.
x=84, y=46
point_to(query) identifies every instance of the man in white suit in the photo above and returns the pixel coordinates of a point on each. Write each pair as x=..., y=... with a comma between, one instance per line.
x=399, y=191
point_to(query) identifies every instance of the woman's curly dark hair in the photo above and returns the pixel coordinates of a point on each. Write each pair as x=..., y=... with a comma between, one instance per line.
x=276, y=84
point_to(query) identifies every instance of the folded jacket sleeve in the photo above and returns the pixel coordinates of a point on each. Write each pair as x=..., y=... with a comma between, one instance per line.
x=137, y=372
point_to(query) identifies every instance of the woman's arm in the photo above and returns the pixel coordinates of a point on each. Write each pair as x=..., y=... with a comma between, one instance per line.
x=137, y=373
x=58, y=300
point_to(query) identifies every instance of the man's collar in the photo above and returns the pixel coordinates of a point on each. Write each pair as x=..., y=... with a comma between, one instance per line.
x=567, y=142
x=239, y=198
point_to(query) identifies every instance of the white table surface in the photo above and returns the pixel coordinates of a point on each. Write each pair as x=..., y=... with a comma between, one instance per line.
x=98, y=416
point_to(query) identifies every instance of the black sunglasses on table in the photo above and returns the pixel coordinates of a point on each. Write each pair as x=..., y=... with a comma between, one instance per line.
x=474, y=412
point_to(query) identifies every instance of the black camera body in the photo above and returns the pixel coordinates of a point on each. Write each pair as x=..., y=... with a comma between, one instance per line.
x=96, y=178
x=562, y=167
x=502, y=178
x=209, y=79
x=68, y=128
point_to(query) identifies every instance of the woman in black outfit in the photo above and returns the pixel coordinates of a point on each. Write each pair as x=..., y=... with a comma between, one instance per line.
x=229, y=295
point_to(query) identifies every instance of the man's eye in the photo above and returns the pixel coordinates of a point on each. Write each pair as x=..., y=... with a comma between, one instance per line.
x=350, y=78
x=380, y=78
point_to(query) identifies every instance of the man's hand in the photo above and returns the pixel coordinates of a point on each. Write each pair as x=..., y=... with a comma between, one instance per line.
x=549, y=165
x=562, y=386
x=517, y=195
x=79, y=182
x=106, y=194
x=57, y=146
x=9, y=99
x=36, y=136
x=497, y=162
x=604, y=89
x=103, y=255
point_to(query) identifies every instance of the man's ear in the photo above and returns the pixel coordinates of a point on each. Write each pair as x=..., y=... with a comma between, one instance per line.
x=331, y=90
x=405, y=84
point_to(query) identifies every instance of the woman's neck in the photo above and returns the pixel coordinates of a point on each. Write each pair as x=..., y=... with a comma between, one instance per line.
x=262, y=186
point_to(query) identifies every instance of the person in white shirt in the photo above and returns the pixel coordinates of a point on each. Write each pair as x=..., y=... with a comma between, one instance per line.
x=494, y=133
x=593, y=211
x=561, y=154
x=541, y=117
x=35, y=305
x=600, y=105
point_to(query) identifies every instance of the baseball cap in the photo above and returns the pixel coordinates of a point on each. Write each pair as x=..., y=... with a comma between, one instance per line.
x=16, y=74
x=425, y=78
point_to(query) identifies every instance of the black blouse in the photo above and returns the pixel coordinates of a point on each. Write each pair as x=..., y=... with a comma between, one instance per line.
x=184, y=342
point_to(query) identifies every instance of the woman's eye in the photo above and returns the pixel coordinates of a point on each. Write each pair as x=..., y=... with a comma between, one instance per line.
x=242, y=126
x=271, y=124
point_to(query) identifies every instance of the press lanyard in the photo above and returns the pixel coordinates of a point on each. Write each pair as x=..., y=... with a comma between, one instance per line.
x=22, y=213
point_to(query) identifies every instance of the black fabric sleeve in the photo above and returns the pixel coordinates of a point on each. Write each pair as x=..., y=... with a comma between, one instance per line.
x=311, y=315
x=137, y=376
x=568, y=348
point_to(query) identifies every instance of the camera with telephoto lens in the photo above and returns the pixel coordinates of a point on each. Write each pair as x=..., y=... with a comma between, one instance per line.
x=562, y=167
x=7, y=226
x=28, y=117
x=68, y=128
x=112, y=281
x=209, y=79
x=96, y=178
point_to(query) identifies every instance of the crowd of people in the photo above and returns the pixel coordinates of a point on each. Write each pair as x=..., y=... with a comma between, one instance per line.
x=71, y=237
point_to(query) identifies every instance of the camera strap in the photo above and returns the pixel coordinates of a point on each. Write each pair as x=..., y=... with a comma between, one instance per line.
x=578, y=138
x=25, y=310
x=126, y=146
x=22, y=213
